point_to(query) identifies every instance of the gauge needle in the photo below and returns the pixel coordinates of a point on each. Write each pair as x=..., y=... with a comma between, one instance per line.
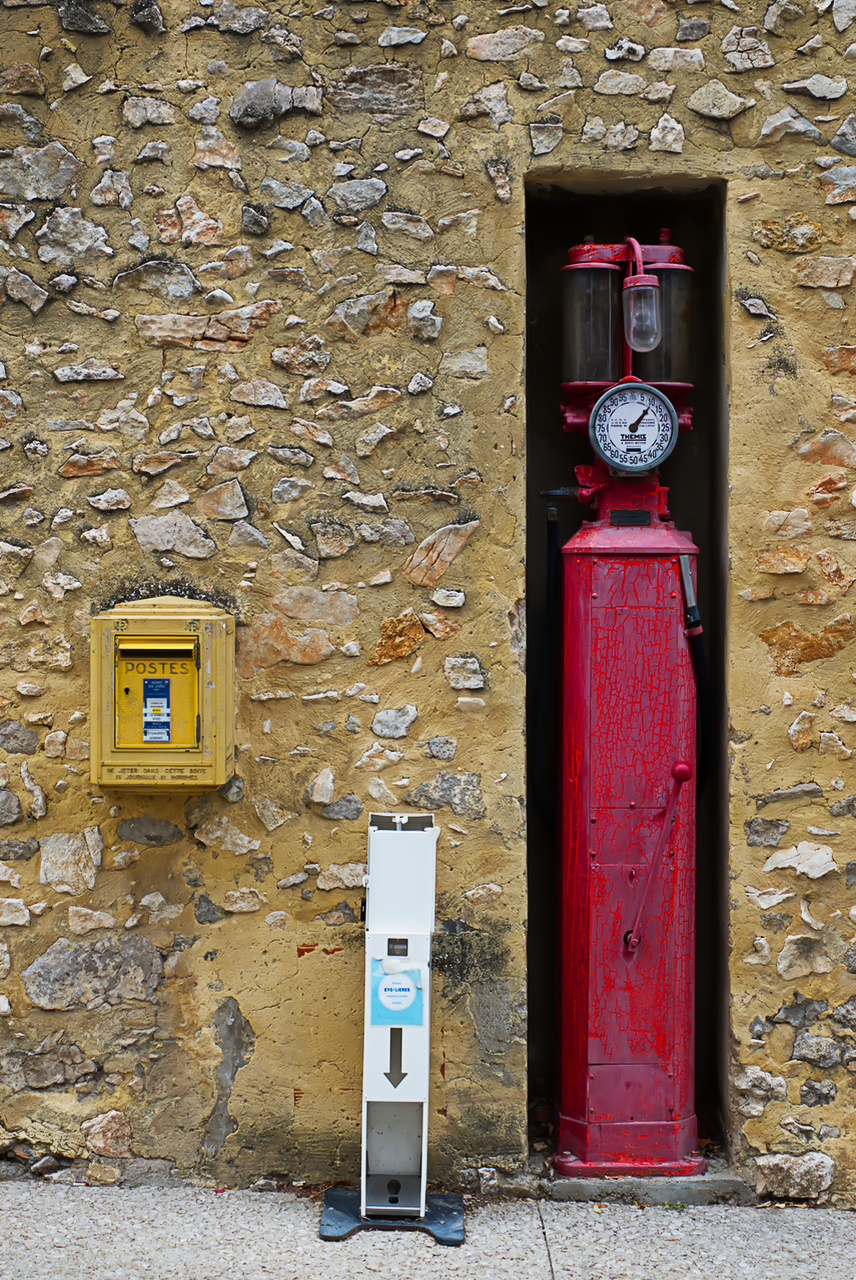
x=634, y=426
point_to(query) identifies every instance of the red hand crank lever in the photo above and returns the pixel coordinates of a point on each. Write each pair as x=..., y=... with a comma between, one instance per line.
x=681, y=773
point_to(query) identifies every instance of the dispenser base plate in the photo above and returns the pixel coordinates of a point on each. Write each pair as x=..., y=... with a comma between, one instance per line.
x=340, y=1218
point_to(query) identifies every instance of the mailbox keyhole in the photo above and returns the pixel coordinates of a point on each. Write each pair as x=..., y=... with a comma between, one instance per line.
x=393, y=1187
x=127, y=691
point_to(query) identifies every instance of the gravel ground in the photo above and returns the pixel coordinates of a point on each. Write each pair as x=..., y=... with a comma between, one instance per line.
x=176, y=1233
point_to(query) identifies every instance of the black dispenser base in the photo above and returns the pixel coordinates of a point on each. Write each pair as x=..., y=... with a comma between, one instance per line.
x=340, y=1218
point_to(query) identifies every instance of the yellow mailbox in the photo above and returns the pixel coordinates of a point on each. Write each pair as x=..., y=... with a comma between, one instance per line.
x=163, y=696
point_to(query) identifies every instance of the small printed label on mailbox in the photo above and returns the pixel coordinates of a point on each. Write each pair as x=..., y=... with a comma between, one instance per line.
x=396, y=997
x=156, y=717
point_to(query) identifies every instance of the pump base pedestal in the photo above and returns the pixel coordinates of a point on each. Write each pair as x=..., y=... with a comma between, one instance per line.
x=340, y=1218
x=568, y=1167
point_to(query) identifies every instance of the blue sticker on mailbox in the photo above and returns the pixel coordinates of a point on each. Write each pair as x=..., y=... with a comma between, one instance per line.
x=396, y=997
x=156, y=712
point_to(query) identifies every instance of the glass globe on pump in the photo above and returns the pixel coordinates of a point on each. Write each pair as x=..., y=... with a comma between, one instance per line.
x=643, y=326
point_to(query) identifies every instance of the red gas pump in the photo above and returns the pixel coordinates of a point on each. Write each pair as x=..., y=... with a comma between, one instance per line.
x=630, y=630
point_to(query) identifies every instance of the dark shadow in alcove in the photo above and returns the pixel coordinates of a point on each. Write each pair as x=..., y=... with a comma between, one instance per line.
x=558, y=215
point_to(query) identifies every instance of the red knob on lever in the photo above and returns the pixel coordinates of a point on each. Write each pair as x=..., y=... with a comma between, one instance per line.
x=681, y=772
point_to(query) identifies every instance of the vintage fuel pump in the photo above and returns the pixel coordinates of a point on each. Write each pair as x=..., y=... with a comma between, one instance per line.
x=628, y=755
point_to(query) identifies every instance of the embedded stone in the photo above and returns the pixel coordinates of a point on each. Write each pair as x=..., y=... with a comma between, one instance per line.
x=110, y=500
x=38, y=174
x=619, y=82
x=545, y=137
x=81, y=920
x=392, y=37
x=824, y=273
x=817, y=86
x=692, y=29
x=147, y=15
x=290, y=489
x=83, y=975
x=220, y=833
x=13, y=911
x=358, y=194
x=320, y=789
x=784, y=560
x=137, y=112
x=461, y=792
x=843, y=13
x=18, y=850
x=844, y=140
x=12, y=113
x=745, y=51
x=17, y=739
x=268, y=641
x=410, y=224
x=309, y=356
x=806, y=858
x=68, y=238
x=667, y=135
x=716, y=102
x=624, y=49
x=788, y=524
x=332, y=538
x=172, y=281
x=173, y=532
x=343, y=875
x=394, y=722
x=831, y=446
x=260, y=392
x=390, y=533
x=213, y=151
x=821, y=1051
x=113, y=189
x=441, y=748
x=108, y=1134
x=399, y=637
x=801, y=955
x=70, y=860
x=676, y=59
x=149, y=831
x=269, y=814
x=227, y=460
x=260, y=102
x=787, y=121
x=491, y=101
x=285, y=195
x=595, y=18
x=387, y=90
x=504, y=45
x=374, y=401
x=228, y=330
x=376, y=757
x=800, y=731
x=10, y=810
x=464, y=672
x=224, y=502
x=77, y=16
x=839, y=184
x=791, y=646
x=22, y=78
x=430, y=560
x=332, y=608
x=347, y=807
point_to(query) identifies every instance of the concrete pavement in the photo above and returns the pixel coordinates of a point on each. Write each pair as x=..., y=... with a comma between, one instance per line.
x=180, y=1233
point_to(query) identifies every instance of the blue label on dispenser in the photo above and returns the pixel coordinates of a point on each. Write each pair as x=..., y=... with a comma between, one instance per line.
x=396, y=997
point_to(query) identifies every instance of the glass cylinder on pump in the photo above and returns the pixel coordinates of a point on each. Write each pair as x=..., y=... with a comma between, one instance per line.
x=592, y=329
x=671, y=360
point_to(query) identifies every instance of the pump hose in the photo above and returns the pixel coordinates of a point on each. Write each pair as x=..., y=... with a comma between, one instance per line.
x=544, y=755
x=705, y=709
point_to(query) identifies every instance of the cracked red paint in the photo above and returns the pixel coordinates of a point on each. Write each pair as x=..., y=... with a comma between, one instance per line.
x=626, y=1092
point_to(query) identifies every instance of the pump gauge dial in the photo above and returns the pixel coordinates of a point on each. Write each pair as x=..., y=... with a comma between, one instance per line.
x=633, y=428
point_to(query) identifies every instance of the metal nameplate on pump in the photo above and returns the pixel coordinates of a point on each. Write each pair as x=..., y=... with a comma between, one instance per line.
x=622, y=517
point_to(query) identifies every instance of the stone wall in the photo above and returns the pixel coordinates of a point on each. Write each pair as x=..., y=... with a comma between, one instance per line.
x=262, y=280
